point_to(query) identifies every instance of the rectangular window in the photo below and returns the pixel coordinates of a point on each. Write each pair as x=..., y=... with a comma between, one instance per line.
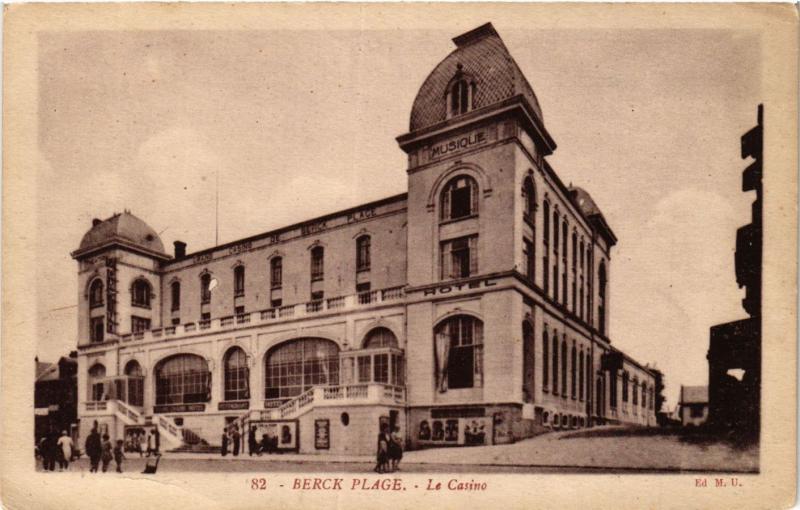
x=276, y=303
x=176, y=296
x=364, y=363
x=317, y=296
x=317, y=263
x=696, y=411
x=97, y=329
x=239, y=310
x=363, y=253
x=139, y=324
x=176, y=321
x=363, y=287
x=459, y=257
x=276, y=272
x=205, y=316
x=238, y=281
x=381, y=366
x=529, y=259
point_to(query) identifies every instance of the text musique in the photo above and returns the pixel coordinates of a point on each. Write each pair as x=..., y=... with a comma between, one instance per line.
x=458, y=144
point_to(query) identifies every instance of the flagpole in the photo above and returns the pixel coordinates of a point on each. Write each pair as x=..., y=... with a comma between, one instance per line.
x=216, y=213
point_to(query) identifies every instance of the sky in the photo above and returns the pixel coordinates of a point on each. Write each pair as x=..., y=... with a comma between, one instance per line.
x=299, y=123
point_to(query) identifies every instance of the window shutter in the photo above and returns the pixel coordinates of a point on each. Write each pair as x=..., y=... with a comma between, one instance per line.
x=473, y=255
x=446, y=261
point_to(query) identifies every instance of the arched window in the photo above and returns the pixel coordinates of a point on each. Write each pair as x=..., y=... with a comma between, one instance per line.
x=363, y=261
x=135, y=383
x=545, y=360
x=182, y=379
x=573, y=367
x=96, y=293
x=458, y=344
x=528, y=361
x=276, y=272
x=555, y=255
x=565, y=242
x=205, y=288
x=460, y=94
x=588, y=376
x=580, y=376
x=546, y=242
x=644, y=395
x=295, y=366
x=599, y=397
x=529, y=192
x=624, y=386
x=237, y=375
x=459, y=198
x=175, y=294
x=601, y=292
x=317, y=263
x=564, y=369
x=574, y=272
x=140, y=293
x=95, y=383
x=238, y=281
x=555, y=363
x=581, y=292
x=635, y=388
x=380, y=337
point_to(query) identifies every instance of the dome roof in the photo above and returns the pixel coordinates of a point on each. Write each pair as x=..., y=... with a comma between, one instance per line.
x=481, y=55
x=584, y=201
x=125, y=228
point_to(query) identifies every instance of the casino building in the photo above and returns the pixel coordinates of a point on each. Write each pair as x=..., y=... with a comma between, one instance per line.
x=472, y=309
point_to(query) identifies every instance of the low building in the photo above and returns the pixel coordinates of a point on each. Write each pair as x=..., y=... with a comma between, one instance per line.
x=693, y=405
x=56, y=396
x=472, y=309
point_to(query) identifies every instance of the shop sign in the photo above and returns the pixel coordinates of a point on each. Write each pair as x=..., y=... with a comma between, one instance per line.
x=179, y=408
x=456, y=287
x=228, y=406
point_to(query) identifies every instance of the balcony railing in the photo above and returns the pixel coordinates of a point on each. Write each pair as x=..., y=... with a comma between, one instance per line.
x=333, y=304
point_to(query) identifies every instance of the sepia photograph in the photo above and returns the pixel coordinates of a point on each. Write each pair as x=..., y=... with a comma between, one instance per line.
x=329, y=249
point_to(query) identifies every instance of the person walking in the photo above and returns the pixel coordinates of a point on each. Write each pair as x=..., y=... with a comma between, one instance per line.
x=65, y=445
x=252, y=445
x=94, y=449
x=50, y=450
x=237, y=439
x=118, y=455
x=156, y=440
x=395, y=449
x=108, y=452
x=224, y=449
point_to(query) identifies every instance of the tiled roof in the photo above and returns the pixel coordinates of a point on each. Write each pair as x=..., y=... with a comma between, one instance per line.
x=694, y=394
x=483, y=56
x=124, y=227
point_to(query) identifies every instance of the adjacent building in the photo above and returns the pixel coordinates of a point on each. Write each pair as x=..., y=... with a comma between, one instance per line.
x=693, y=405
x=55, y=396
x=473, y=309
x=734, y=353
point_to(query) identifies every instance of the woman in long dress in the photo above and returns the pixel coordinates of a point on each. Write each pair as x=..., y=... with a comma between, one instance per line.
x=224, y=442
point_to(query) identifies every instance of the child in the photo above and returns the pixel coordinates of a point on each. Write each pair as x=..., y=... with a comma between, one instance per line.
x=118, y=455
x=107, y=452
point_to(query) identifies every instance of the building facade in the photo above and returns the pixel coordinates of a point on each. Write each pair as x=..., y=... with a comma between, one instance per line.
x=693, y=405
x=472, y=309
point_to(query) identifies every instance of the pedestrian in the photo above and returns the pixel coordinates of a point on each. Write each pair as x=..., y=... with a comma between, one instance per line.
x=381, y=465
x=65, y=445
x=94, y=449
x=149, y=440
x=137, y=443
x=118, y=455
x=50, y=450
x=224, y=450
x=156, y=440
x=108, y=452
x=395, y=449
x=237, y=438
x=252, y=446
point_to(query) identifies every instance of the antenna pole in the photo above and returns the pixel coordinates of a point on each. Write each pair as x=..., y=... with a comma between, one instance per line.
x=216, y=213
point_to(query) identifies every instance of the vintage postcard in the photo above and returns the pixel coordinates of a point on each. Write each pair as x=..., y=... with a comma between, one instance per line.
x=418, y=255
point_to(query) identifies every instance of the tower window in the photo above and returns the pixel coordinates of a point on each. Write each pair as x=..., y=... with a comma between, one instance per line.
x=460, y=257
x=176, y=296
x=140, y=293
x=96, y=293
x=205, y=289
x=460, y=198
x=139, y=324
x=529, y=192
x=97, y=329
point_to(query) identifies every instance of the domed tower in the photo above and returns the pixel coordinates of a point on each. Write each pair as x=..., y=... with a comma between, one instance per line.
x=476, y=128
x=118, y=279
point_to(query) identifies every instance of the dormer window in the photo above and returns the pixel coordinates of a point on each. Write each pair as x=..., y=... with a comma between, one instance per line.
x=460, y=94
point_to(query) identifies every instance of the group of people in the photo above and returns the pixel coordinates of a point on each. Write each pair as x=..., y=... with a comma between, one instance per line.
x=101, y=450
x=390, y=450
x=53, y=447
x=233, y=438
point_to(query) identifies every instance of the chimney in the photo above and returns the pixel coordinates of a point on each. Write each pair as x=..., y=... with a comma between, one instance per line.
x=180, y=249
x=96, y=222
